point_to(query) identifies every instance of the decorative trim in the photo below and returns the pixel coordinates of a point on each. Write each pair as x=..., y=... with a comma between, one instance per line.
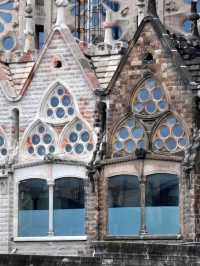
x=50, y=238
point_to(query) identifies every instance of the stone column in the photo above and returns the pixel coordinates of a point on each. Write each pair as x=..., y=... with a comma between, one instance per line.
x=51, y=188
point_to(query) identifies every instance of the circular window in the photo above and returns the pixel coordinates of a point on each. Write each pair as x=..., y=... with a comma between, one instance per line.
x=8, y=43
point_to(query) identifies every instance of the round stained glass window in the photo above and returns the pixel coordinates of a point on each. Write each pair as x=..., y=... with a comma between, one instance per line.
x=47, y=138
x=171, y=143
x=177, y=131
x=66, y=100
x=85, y=136
x=157, y=93
x=79, y=148
x=41, y=129
x=170, y=136
x=52, y=149
x=144, y=95
x=150, y=108
x=68, y=148
x=35, y=139
x=60, y=90
x=130, y=146
x=1, y=141
x=162, y=105
x=41, y=150
x=31, y=150
x=139, y=107
x=54, y=101
x=123, y=133
x=70, y=111
x=118, y=146
x=49, y=112
x=90, y=147
x=137, y=133
x=141, y=144
x=73, y=137
x=164, y=131
x=79, y=126
x=60, y=112
x=4, y=152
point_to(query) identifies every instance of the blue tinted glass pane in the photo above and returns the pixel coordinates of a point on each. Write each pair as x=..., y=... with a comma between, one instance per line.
x=73, y=137
x=54, y=101
x=8, y=43
x=33, y=208
x=137, y=133
x=79, y=148
x=60, y=112
x=164, y=131
x=198, y=6
x=123, y=133
x=1, y=27
x=162, y=201
x=85, y=136
x=6, y=17
x=143, y=95
x=33, y=223
x=124, y=202
x=69, y=207
x=166, y=222
x=123, y=221
x=1, y=141
x=151, y=107
x=73, y=225
x=7, y=6
x=41, y=38
x=130, y=146
x=187, y=26
x=95, y=20
x=157, y=93
x=171, y=143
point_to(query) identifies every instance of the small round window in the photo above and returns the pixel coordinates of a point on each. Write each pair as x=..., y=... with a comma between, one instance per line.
x=170, y=136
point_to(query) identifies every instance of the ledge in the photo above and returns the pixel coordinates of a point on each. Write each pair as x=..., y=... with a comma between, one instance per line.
x=50, y=238
x=144, y=237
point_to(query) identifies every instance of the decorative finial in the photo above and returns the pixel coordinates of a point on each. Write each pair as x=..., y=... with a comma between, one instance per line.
x=151, y=8
x=194, y=17
x=29, y=33
x=141, y=11
x=108, y=39
x=61, y=13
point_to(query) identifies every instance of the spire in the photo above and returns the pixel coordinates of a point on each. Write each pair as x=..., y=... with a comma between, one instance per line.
x=194, y=17
x=151, y=8
x=61, y=13
x=29, y=33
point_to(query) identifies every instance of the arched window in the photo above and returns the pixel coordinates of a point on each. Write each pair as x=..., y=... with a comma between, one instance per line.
x=77, y=139
x=33, y=208
x=39, y=141
x=58, y=106
x=170, y=136
x=149, y=99
x=128, y=137
x=15, y=127
x=69, y=212
x=124, y=205
x=162, y=204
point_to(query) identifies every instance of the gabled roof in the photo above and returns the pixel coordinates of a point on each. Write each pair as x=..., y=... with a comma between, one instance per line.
x=19, y=75
x=167, y=45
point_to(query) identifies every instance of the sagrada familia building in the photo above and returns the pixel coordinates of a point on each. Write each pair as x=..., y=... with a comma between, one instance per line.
x=99, y=126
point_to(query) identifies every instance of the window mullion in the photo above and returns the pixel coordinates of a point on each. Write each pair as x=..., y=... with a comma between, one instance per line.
x=51, y=188
x=142, y=204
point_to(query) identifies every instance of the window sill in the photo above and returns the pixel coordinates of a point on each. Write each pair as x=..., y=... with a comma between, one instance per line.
x=50, y=238
x=144, y=237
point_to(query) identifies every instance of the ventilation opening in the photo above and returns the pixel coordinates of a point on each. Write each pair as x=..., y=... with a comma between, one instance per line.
x=15, y=127
x=148, y=58
x=57, y=63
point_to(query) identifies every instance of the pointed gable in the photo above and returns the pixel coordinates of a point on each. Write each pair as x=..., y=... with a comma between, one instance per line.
x=151, y=56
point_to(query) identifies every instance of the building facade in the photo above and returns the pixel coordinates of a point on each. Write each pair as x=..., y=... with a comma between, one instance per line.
x=99, y=142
